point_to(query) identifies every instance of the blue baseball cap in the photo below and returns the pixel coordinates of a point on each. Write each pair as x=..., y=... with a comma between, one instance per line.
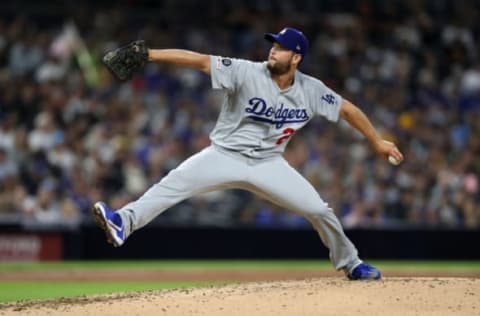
x=290, y=38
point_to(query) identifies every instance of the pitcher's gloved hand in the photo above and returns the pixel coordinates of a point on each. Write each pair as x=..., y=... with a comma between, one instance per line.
x=124, y=61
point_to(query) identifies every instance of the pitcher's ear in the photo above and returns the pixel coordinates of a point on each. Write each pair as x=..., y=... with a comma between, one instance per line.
x=297, y=58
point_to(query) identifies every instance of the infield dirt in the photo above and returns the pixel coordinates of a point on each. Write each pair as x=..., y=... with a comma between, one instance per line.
x=323, y=295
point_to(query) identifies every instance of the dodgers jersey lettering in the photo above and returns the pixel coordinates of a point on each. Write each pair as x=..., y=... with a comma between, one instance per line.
x=257, y=118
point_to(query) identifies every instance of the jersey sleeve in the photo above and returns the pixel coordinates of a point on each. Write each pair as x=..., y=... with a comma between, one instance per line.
x=227, y=73
x=326, y=102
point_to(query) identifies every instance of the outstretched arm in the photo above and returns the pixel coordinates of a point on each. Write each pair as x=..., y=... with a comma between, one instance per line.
x=356, y=118
x=181, y=57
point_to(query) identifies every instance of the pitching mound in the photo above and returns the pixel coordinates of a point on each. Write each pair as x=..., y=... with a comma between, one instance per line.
x=324, y=296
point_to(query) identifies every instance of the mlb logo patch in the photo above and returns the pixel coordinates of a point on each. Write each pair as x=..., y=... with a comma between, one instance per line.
x=223, y=61
x=226, y=62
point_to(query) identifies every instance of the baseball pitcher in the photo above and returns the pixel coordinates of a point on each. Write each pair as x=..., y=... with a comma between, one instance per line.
x=264, y=104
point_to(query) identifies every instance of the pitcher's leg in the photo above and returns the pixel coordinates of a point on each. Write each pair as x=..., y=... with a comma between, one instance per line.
x=343, y=253
x=205, y=171
x=284, y=186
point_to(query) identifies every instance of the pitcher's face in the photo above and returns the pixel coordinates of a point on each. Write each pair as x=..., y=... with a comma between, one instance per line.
x=280, y=59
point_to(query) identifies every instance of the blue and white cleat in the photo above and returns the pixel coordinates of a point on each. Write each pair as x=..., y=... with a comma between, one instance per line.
x=364, y=271
x=110, y=222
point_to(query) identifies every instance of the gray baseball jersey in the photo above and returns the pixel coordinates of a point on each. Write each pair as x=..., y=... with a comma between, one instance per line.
x=255, y=124
x=257, y=118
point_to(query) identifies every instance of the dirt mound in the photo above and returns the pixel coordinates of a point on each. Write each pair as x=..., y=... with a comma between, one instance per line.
x=325, y=296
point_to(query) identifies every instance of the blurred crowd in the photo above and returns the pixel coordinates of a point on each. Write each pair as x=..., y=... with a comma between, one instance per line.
x=70, y=135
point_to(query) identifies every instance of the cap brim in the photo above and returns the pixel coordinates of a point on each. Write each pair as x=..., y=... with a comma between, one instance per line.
x=271, y=37
x=274, y=38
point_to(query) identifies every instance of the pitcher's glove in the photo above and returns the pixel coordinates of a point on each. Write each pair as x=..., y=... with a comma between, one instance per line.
x=123, y=62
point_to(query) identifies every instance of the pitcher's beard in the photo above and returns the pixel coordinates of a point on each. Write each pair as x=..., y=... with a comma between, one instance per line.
x=278, y=69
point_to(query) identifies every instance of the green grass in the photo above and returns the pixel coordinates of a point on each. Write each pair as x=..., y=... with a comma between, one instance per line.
x=230, y=264
x=169, y=264
x=22, y=290
x=472, y=266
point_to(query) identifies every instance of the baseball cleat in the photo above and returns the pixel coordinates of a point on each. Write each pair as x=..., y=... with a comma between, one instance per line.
x=110, y=222
x=364, y=271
